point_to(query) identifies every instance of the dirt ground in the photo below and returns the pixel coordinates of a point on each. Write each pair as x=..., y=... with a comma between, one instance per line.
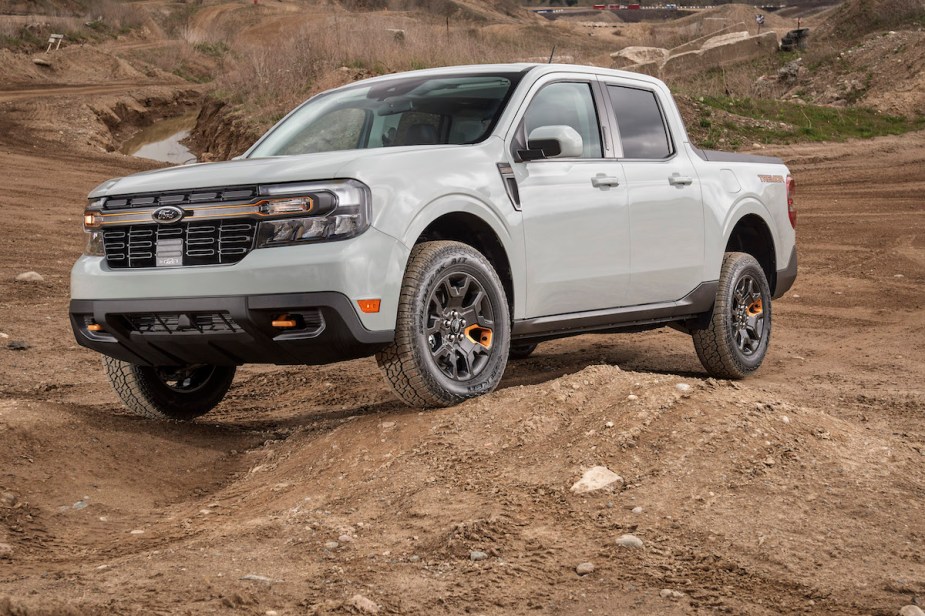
x=800, y=490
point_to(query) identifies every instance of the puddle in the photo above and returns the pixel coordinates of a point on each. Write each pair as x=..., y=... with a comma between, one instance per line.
x=161, y=140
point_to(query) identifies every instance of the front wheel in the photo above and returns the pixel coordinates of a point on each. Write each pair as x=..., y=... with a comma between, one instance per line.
x=453, y=327
x=734, y=342
x=176, y=393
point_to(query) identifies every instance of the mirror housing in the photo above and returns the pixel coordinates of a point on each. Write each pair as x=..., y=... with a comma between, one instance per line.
x=556, y=141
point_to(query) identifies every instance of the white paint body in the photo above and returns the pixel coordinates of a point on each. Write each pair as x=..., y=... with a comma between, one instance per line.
x=572, y=246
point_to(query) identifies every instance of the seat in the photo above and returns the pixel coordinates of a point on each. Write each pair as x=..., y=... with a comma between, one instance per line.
x=421, y=134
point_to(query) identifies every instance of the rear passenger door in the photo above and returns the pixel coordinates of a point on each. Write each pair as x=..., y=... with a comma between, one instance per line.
x=574, y=208
x=665, y=207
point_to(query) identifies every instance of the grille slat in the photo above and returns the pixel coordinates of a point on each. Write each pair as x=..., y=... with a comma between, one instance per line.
x=196, y=243
x=181, y=197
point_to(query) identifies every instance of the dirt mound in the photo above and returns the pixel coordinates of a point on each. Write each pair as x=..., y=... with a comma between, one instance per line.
x=392, y=503
x=856, y=18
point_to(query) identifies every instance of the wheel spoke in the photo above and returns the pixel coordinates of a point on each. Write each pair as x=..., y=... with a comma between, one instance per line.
x=458, y=293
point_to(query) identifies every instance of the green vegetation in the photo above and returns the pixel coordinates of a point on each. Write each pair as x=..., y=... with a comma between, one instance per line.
x=784, y=122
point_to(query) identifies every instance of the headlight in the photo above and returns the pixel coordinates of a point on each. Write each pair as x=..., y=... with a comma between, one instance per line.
x=93, y=219
x=335, y=210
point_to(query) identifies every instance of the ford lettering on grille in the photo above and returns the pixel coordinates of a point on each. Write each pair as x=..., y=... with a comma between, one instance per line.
x=167, y=215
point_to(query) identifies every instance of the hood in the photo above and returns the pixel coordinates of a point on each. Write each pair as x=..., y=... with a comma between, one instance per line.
x=320, y=166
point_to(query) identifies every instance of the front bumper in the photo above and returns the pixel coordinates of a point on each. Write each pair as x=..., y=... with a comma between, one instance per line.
x=226, y=330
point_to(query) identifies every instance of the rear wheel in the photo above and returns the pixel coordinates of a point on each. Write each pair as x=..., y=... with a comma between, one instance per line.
x=175, y=393
x=736, y=339
x=453, y=327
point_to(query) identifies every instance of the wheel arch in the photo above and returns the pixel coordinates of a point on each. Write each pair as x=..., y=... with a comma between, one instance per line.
x=472, y=230
x=751, y=234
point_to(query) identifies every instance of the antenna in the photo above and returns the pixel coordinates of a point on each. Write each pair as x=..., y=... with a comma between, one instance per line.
x=553, y=53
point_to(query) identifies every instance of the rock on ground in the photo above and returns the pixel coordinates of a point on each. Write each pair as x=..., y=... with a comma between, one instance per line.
x=476, y=555
x=363, y=604
x=584, y=568
x=629, y=541
x=6, y=550
x=667, y=593
x=911, y=610
x=29, y=277
x=595, y=478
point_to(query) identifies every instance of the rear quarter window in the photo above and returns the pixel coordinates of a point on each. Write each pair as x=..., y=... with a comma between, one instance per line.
x=642, y=126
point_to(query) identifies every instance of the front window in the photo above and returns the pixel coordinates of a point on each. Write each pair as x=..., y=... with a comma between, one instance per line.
x=399, y=112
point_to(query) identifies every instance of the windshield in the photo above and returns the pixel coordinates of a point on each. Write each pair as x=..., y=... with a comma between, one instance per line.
x=456, y=109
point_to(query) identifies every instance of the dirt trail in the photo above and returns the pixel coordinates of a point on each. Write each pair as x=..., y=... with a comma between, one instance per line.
x=57, y=90
x=799, y=490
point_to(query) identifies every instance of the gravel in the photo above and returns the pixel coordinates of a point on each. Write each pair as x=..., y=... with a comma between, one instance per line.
x=332, y=545
x=637, y=509
x=629, y=541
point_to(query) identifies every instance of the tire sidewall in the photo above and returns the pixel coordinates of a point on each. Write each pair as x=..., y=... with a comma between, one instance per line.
x=460, y=260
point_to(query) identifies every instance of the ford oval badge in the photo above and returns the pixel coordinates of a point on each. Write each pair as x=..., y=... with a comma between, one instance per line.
x=167, y=215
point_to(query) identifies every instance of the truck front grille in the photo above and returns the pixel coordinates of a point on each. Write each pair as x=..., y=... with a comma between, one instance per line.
x=214, y=242
x=174, y=322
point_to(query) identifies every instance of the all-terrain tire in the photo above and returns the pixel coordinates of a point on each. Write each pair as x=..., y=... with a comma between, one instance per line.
x=735, y=340
x=145, y=391
x=522, y=350
x=410, y=363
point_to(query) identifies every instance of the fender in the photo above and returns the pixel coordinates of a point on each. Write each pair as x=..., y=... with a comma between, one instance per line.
x=741, y=208
x=464, y=203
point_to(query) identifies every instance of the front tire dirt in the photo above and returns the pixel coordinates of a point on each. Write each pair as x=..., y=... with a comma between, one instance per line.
x=736, y=339
x=453, y=328
x=177, y=394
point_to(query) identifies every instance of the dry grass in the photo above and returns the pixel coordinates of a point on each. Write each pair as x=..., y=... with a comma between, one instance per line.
x=270, y=79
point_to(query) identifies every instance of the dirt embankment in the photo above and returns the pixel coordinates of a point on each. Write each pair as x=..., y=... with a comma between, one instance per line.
x=220, y=133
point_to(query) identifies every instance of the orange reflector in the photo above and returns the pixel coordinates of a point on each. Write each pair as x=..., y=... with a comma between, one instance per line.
x=94, y=327
x=368, y=305
x=284, y=321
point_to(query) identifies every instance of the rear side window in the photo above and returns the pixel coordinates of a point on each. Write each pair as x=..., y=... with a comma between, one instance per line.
x=569, y=104
x=642, y=127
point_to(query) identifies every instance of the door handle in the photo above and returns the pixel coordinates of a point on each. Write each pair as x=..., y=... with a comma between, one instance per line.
x=600, y=181
x=680, y=180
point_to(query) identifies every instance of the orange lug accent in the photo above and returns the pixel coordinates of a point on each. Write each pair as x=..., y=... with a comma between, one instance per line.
x=479, y=335
x=94, y=327
x=283, y=321
x=755, y=308
x=369, y=305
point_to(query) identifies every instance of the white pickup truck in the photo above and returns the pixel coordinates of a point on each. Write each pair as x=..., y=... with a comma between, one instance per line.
x=443, y=221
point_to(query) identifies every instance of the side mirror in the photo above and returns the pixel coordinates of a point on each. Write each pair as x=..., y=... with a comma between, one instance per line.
x=556, y=141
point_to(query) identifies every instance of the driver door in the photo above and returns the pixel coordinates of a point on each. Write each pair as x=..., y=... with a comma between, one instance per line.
x=575, y=210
